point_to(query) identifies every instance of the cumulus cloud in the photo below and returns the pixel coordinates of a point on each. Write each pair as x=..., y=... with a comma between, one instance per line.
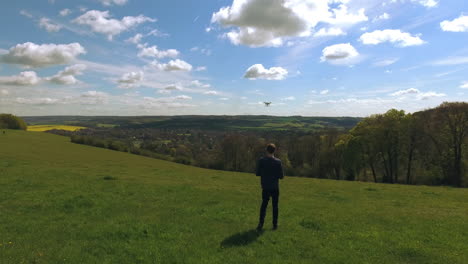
x=418, y=94
x=339, y=54
x=404, y=92
x=131, y=79
x=48, y=25
x=173, y=65
x=395, y=36
x=325, y=32
x=32, y=55
x=67, y=76
x=101, y=22
x=464, y=85
x=113, y=2
x=459, y=24
x=257, y=71
x=23, y=79
x=135, y=39
x=260, y=23
x=154, y=52
x=65, y=12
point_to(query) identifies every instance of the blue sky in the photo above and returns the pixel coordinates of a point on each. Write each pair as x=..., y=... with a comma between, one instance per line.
x=311, y=58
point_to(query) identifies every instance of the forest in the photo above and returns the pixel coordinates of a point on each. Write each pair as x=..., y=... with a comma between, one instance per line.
x=428, y=147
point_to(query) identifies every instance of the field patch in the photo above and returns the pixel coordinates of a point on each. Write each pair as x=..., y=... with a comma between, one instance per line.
x=43, y=128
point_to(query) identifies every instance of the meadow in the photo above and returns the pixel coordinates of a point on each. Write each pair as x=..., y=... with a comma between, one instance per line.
x=67, y=203
x=43, y=128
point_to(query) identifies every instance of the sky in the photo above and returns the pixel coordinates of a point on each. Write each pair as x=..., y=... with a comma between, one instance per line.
x=228, y=57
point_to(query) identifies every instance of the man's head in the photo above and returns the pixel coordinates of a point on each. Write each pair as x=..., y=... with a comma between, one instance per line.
x=271, y=148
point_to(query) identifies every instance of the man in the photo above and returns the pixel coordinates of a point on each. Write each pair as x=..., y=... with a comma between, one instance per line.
x=270, y=170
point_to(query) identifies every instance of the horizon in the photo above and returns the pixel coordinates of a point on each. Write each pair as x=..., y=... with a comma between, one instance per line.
x=330, y=58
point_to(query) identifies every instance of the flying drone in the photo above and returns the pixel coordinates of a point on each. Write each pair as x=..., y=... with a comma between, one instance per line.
x=267, y=104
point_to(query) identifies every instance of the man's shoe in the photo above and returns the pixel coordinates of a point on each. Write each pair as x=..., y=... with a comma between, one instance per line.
x=275, y=227
x=259, y=228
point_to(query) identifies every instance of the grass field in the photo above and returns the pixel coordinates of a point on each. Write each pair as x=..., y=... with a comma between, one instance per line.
x=67, y=203
x=42, y=128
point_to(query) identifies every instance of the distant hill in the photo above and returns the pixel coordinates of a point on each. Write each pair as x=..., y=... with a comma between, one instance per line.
x=68, y=203
x=273, y=123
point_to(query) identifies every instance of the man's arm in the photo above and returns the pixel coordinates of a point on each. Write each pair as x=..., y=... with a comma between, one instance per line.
x=259, y=169
x=281, y=173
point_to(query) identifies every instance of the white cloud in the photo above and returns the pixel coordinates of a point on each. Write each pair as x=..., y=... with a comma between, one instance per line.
x=93, y=98
x=418, y=94
x=384, y=16
x=427, y=3
x=452, y=61
x=26, y=13
x=166, y=102
x=457, y=25
x=37, y=101
x=67, y=76
x=101, y=22
x=386, y=62
x=48, y=25
x=324, y=92
x=324, y=32
x=33, y=55
x=155, y=53
x=135, y=39
x=23, y=79
x=341, y=16
x=197, y=83
x=211, y=92
x=464, y=85
x=113, y=2
x=407, y=91
x=4, y=92
x=174, y=65
x=402, y=39
x=339, y=54
x=260, y=23
x=65, y=12
x=173, y=87
x=289, y=98
x=131, y=79
x=200, y=68
x=257, y=71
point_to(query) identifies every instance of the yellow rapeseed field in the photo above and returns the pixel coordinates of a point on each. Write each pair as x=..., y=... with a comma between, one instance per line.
x=42, y=128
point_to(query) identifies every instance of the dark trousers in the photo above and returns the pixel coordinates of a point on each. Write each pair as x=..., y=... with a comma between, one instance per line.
x=266, y=194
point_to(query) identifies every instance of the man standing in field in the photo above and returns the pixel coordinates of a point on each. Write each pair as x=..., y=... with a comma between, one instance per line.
x=270, y=170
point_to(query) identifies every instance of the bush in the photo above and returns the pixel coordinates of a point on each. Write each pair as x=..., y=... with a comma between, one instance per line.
x=8, y=121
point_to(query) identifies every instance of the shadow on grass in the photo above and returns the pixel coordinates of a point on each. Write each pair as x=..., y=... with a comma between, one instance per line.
x=241, y=239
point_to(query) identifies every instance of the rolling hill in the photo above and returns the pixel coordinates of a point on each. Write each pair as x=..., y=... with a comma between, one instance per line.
x=66, y=203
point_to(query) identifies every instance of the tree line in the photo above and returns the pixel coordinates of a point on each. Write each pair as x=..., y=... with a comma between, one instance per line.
x=427, y=147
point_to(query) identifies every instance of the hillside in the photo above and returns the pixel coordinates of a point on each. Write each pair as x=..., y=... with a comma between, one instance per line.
x=216, y=123
x=67, y=203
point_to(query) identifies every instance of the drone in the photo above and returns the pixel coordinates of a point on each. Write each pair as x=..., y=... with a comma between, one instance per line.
x=267, y=104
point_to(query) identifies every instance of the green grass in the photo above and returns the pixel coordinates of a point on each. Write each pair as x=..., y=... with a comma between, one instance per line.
x=67, y=203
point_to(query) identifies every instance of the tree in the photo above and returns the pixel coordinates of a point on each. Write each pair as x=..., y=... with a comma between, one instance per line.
x=9, y=121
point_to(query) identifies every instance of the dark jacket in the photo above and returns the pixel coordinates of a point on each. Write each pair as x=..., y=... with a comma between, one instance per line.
x=270, y=170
